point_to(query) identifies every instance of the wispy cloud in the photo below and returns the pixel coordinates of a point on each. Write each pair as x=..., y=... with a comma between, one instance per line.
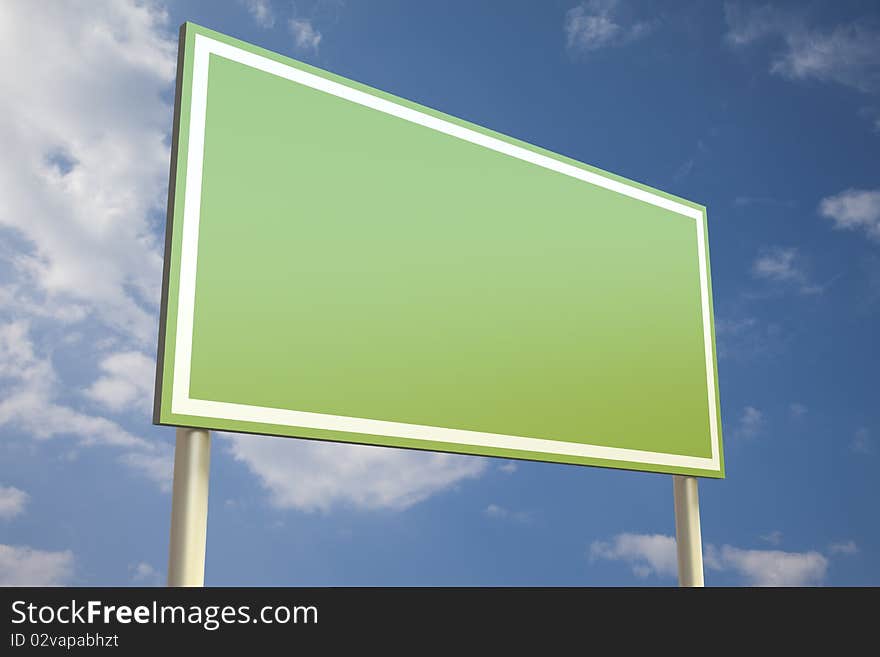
x=156, y=464
x=749, y=201
x=872, y=114
x=501, y=513
x=751, y=422
x=770, y=567
x=779, y=264
x=773, y=538
x=734, y=326
x=748, y=337
x=844, y=547
x=315, y=476
x=25, y=566
x=684, y=170
x=687, y=167
x=854, y=209
x=261, y=11
x=596, y=24
x=29, y=401
x=647, y=554
x=127, y=382
x=861, y=442
x=144, y=574
x=85, y=120
x=784, y=265
x=846, y=54
x=655, y=555
x=12, y=502
x=305, y=36
x=797, y=410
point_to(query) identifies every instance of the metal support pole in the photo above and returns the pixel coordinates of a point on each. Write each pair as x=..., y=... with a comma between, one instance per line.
x=189, y=508
x=687, y=531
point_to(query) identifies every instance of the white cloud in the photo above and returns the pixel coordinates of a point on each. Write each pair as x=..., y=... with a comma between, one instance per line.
x=502, y=513
x=508, y=468
x=314, y=476
x=305, y=36
x=495, y=511
x=750, y=422
x=654, y=554
x=771, y=567
x=745, y=26
x=261, y=11
x=127, y=381
x=85, y=119
x=779, y=264
x=24, y=566
x=12, y=502
x=28, y=401
x=844, y=547
x=647, y=554
x=29, y=382
x=156, y=464
x=847, y=54
x=854, y=209
x=596, y=24
x=143, y=574
x=784, y=265
x=84, y=127
x=24, y=301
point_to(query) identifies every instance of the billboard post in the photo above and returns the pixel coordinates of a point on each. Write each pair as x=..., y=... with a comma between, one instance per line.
x=688, y=541
x=189, y=508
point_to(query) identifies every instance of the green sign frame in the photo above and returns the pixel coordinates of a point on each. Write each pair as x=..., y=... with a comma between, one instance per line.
x=345, y=265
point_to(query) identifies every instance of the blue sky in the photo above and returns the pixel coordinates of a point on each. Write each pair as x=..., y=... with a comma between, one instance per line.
x=769, y=114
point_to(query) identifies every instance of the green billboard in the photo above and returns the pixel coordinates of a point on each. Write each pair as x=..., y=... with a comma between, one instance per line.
x=345, y=265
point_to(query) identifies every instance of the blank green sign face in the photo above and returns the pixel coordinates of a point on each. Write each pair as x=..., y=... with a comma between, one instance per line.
x=350, y=266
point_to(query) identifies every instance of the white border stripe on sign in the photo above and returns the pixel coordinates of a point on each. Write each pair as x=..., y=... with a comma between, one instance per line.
x=181, y=403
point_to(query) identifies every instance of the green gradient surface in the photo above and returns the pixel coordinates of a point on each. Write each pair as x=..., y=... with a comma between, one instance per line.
x=352, y=263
